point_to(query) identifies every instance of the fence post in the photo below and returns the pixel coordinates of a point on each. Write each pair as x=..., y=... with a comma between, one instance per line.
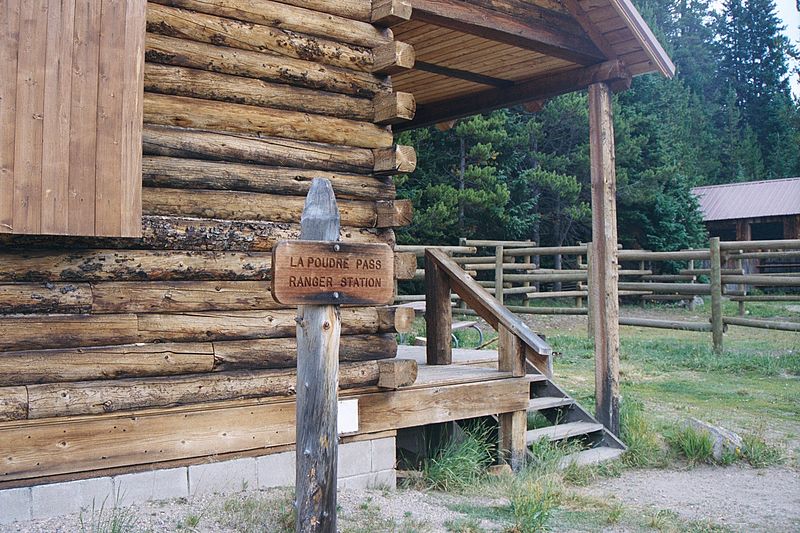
x=742, y=288
x=527, y=260
x=498, y=274
x=438, y=314
x=589, y=301
x=579, y=285
x=716, y=295
x=694, y=278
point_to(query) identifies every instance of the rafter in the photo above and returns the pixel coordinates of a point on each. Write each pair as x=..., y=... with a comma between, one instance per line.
x=546, y=86
x=545, y=37
x=462, y=74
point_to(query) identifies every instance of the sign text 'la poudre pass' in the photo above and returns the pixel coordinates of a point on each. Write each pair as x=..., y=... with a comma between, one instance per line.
x=332, y=273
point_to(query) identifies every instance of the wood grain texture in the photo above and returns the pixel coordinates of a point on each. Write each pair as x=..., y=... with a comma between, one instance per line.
x=131, y=265
x=23, y=332
x=185, y=233
x=83, y=119
x=166, y=359
x=108, y=396
x=178, y=173
x=77, y=70
x=29, y=127
x=57, y=101
x=603, y=285
x=212, y=115
x=132, y=113
x=320, y=272
x=438, y=315
x=291, y=18
x=241, y=148
x=74, y=444
x=267, y=67
x=211, y=29
x=182, y=81
x=230, y=205
x=9, y=44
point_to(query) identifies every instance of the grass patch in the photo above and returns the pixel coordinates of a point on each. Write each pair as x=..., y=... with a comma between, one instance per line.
x=460, y=462
x=696, y=446
x=643, y=442
x=464, y=525
x=254, y=513
x=759, y=453
x=369, y=518
x=116, y=519
x=532, y=502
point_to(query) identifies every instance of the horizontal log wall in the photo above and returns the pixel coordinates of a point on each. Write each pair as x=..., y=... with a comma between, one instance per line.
x=245, y=103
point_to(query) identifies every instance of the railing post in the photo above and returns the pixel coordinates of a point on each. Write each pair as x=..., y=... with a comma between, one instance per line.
x=498, y=274
x=512, y=438
x=716, y=295
x=438, y=314
x=510, y=352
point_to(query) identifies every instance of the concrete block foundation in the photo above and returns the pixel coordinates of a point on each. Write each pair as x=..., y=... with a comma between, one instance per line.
x=363, y=464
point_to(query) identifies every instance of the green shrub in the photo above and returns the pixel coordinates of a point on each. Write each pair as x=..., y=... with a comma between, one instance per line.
x=460, y=463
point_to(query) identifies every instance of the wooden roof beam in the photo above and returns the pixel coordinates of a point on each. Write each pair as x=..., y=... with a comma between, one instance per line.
x=462, y=74
x=545, y=38
x=543, y=87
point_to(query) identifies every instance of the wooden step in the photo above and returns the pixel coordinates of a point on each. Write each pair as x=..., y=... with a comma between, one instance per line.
x=548, y=402
x=562, y=431
x=591, y=456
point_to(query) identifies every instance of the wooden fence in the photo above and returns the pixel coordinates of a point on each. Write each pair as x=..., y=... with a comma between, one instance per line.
x=512, y=270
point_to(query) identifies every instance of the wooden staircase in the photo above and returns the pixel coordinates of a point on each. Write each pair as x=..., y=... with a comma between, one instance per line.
x=521, y=353
x=569, y=422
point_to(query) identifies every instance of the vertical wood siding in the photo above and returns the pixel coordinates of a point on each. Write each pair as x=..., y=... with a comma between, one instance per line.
x=71, y=76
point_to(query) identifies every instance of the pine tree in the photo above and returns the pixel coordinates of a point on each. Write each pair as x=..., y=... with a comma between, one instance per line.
x=755, y=63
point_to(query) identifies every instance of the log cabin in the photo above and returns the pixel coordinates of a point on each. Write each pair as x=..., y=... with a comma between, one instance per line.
x=152, y=153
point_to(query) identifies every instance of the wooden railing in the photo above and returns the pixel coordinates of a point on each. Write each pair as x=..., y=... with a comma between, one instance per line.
x=517, y=343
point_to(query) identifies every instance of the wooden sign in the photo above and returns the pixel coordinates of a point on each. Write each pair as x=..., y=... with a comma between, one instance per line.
x=332, y=273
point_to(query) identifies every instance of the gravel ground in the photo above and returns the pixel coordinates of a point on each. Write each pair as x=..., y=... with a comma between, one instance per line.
x=359, y=511
x=740, y=498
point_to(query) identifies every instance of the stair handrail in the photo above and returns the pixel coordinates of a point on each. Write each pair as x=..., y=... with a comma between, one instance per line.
x=517, y=342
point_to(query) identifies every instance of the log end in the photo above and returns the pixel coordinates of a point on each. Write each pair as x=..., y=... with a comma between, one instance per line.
x=396, y=373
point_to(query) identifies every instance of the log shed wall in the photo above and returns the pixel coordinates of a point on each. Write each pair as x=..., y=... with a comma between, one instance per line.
x=164, y=336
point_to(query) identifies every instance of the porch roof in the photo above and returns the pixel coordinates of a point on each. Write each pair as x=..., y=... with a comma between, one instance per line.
x=478, y=55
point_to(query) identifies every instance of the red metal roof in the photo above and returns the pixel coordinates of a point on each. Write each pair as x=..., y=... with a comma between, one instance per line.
x=750, y=199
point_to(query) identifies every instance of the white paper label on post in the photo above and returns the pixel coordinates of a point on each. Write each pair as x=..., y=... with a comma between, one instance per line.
x=347, y=421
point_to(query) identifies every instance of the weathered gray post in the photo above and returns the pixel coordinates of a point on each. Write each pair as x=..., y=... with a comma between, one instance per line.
x=498, y=273
x=716, y=295
x=318, y=329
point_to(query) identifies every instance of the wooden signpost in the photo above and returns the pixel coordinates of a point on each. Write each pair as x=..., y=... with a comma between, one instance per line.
x=318, y=273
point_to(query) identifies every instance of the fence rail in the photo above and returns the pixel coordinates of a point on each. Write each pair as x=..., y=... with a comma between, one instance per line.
x=732, y=269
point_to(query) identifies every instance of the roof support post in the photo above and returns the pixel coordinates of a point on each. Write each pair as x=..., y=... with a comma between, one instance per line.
x=604, y=297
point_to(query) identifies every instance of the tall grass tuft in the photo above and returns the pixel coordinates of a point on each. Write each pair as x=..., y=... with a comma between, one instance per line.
x=695, y=445
x=116, y=519
x=759, y=453
x=644, y=446
x=460, y=463
x=532, y=499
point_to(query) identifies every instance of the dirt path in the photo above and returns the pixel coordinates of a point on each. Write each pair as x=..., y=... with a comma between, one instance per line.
x=740, y=498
